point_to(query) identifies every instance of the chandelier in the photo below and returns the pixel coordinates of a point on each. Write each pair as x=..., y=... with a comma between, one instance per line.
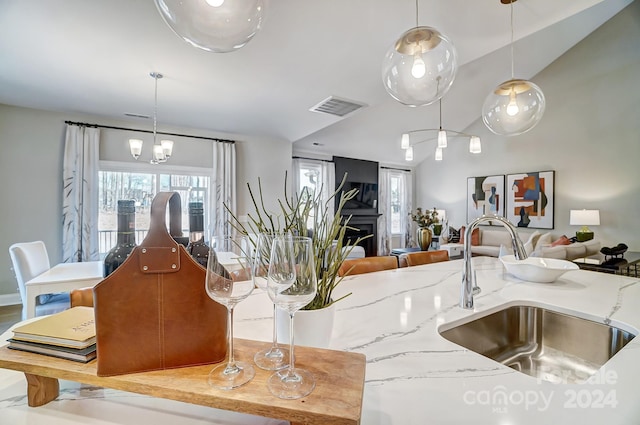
x=441, y=135
x=161, y=151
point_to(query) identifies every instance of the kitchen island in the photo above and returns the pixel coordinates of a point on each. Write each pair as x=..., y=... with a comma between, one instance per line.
x=414, y=375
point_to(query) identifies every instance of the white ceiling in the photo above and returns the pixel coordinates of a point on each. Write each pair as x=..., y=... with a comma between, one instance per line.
x=95, y=57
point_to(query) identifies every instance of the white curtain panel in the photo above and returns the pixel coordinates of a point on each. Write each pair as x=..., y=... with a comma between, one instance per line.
x=328, y=174
x=223, y=187
x=406, y=194
x=384, y=208
x=80, y=194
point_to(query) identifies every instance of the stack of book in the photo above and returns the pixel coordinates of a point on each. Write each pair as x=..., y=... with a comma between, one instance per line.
x=70, y=334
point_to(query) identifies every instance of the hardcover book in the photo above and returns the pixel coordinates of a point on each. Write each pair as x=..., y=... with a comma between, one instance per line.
x=74, y=328
x=83, y=355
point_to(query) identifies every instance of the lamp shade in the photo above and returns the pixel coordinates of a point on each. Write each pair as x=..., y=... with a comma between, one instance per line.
x=584, y=218
x=419, y=68
x=214, y=25
x=513, y=108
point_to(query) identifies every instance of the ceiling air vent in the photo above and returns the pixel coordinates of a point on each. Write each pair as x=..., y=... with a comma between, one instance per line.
x=337, y=106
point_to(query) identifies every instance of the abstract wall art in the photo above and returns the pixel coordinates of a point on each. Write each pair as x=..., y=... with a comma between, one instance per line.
x=530, y=199
x=485, y=195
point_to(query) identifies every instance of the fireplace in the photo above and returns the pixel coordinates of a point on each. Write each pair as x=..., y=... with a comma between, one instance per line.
x=364, y=225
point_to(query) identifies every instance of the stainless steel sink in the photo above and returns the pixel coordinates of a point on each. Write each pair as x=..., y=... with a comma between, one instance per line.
x=541, y=343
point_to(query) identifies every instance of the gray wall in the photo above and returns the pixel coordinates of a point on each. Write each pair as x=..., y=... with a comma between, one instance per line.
x=32, y=144
x=590, y=136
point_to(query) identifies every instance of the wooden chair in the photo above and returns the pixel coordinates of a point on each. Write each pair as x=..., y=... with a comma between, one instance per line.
x=82, y=297
x=426, y=257
x=367, y=265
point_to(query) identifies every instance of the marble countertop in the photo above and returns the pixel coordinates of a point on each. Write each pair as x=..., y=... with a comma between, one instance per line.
x=414, y=375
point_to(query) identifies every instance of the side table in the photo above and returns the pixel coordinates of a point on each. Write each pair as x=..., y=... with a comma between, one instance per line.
x=628, y=265
x=455, y=250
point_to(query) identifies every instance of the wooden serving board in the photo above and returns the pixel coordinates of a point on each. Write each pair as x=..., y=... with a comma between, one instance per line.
x=336, y=400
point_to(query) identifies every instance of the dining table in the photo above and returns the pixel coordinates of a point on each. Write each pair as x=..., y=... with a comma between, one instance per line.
x=62, y=277
x=413, y=374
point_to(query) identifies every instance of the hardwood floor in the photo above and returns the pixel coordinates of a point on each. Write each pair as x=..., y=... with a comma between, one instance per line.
x=9, y=315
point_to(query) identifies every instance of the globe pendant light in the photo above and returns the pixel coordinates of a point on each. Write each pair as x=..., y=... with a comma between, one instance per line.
x=214, y=25
x=515, y=106
x=419, y=68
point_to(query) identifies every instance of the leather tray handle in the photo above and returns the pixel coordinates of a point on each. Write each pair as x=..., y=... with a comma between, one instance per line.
x=159, y=252
x=158, y=235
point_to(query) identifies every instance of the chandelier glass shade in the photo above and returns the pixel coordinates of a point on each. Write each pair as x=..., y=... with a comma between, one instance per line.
x=515, y=106
x=217, y=26
x=419, y=68
x=161, y=151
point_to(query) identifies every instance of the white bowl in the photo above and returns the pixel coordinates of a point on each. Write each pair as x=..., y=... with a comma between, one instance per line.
x=537, y=269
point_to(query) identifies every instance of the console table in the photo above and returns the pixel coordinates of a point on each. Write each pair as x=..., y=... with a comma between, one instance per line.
x=336, y=400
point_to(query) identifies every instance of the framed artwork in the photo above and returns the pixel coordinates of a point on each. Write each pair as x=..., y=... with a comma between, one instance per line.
x=485, y=195
x=530, y=199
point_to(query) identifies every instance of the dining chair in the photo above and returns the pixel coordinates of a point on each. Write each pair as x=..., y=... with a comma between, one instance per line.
x=367, y=265
x=82, y=297
x=354, y=251
x=30, y=259
x=425, y=257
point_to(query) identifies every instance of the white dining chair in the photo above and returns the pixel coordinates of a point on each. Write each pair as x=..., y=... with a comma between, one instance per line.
x=31, y=259
x=355, y=251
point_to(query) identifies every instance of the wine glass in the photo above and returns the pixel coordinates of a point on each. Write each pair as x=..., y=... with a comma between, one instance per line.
x=228, y=282
x=292, y=257
x=274, y=357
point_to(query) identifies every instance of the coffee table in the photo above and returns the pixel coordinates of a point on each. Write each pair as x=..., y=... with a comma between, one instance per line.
x=629, y=265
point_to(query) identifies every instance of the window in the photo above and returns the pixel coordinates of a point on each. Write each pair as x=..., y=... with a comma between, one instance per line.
x=315, y=179
x=121, y=181
x=397, y=221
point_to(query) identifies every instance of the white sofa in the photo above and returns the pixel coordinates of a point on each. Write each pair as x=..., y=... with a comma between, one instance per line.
x=536, y=245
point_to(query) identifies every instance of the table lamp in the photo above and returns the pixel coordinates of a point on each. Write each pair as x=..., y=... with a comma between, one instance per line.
x=584, y=218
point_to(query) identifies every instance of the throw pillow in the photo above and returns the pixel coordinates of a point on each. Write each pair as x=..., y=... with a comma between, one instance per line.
x=475, y=236
x=562, y=240
x=544, y=240
x=531, y=242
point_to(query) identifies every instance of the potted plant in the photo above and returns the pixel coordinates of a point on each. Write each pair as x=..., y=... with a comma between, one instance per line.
x=425, y=221
x=306, y=214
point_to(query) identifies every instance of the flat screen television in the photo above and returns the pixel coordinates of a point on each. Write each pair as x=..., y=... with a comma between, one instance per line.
x=367, y=196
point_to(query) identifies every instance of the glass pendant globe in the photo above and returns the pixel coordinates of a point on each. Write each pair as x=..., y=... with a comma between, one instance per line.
x=420, y=67
x=513, y=108
x=214, y=25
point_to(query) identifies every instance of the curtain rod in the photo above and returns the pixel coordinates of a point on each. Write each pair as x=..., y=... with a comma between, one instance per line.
x=397, y=169
x=311, y=159
x=84, y=124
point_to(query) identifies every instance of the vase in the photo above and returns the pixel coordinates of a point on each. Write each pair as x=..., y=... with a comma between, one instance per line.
x=437, y=229
x=424, y=237
x=312, y=328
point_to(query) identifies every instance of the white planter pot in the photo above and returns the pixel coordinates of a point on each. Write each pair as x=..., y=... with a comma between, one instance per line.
x=312, y=328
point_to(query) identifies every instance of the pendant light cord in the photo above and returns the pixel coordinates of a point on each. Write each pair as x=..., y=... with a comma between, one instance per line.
x=512, y=66
x=440, y=114
x=417, y=14
x=155, y=107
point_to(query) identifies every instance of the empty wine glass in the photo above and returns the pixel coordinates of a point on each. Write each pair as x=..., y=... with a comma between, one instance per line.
x=228, y=282
x=274, y=357
x=292, y=257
